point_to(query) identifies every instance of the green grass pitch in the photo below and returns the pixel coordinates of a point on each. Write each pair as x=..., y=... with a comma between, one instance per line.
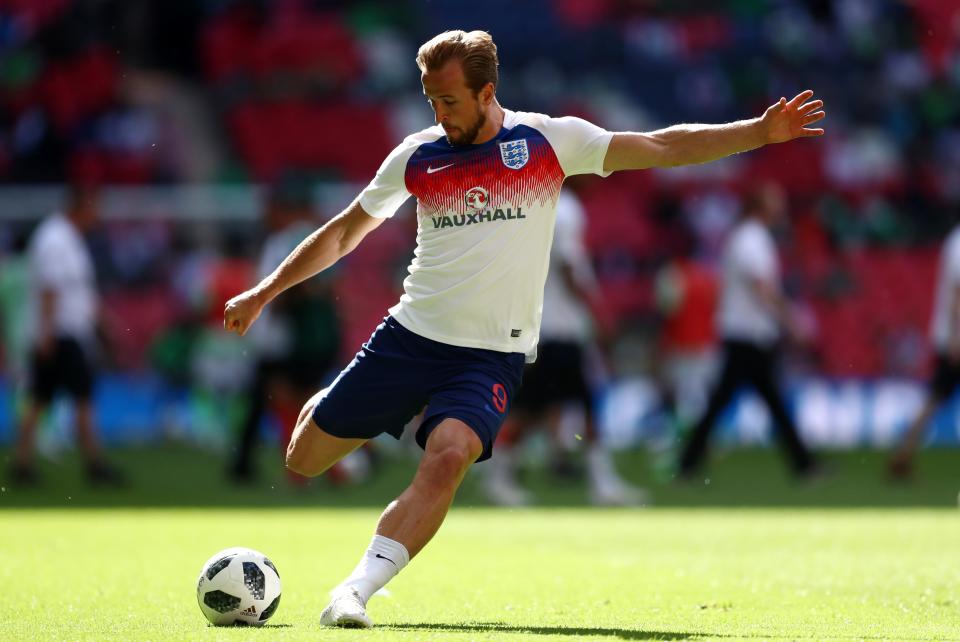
x=547, y=574
x=696, y=567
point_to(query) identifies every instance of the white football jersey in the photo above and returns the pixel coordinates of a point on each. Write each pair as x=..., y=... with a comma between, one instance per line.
x=750, y=253
x=60, y=262
x=485, y=217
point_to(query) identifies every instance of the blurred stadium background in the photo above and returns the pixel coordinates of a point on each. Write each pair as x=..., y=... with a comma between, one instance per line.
x=190, y=112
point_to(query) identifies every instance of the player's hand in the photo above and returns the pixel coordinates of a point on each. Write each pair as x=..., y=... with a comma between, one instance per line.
x=786, y=120
x=241, y=311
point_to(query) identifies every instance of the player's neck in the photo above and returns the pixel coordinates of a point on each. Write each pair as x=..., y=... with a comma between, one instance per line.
x=491, y=128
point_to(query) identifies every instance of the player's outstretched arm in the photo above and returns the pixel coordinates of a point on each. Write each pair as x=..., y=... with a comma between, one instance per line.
x=315, y=253
x=690, y=144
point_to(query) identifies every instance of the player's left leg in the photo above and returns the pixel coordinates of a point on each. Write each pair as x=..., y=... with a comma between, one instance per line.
x=409, y=522
x=312, y=450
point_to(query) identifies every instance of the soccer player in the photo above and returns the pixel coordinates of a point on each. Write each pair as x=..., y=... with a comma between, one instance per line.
x=945, y=336
x=63, y=320
x=751, y=314
x=486, y=180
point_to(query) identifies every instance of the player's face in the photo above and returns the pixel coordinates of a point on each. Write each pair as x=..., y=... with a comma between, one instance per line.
x=456, y=108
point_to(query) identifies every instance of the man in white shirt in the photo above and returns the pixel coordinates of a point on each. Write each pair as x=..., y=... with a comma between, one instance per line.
x=63, y=320
x=558, y=378
x=945, y=337
x=751, y=313
x=297, y=343
x=486, y=180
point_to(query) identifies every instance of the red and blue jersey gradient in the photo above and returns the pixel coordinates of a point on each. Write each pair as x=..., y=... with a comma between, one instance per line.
x=441, y=191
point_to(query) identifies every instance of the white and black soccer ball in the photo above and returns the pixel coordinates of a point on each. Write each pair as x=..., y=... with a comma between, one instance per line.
x=238, y=586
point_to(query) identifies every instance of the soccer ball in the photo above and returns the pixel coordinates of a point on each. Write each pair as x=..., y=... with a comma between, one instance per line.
x=238, y=586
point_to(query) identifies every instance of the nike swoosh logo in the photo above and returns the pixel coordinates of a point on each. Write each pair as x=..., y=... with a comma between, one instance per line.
x=431, y=170
x=378, y=555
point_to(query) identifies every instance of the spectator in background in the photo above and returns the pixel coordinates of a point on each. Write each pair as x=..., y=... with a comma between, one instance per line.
x=558, y=379
x=751, y=314
x=297, y=341
x=945, y=336
x=63, y=311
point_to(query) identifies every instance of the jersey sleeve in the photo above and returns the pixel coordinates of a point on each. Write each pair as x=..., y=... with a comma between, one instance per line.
x=581, y=146
x=388, y=190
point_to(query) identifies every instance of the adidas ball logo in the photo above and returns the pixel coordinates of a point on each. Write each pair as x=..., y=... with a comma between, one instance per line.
x=250, y=611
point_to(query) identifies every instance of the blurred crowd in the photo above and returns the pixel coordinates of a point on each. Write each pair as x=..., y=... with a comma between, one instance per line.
x=308, y=96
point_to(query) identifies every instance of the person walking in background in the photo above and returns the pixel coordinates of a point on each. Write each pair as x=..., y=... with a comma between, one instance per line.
x=751, y=315
x=686, y=297
x=486, y=180
x=558, y=378
x=945, y=337
x=297, y=342
x=63, y=311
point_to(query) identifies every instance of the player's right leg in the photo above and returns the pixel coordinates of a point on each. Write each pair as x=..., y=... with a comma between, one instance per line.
x=312, y=450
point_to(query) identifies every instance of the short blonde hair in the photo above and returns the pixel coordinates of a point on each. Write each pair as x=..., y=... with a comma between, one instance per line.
x=475, y=50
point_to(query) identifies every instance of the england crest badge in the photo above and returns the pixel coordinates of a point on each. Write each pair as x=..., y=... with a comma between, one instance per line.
x=515, y=153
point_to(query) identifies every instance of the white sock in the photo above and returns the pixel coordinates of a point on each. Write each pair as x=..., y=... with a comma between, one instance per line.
x=381, y=561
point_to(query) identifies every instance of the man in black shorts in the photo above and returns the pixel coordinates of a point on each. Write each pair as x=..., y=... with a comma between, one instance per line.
x=62, y=320
x=945, y=336
x=558, y=380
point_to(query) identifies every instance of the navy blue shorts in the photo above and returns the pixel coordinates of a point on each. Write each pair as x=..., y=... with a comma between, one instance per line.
x=398, y=373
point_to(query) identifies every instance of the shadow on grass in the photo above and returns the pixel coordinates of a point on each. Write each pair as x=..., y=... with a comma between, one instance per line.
x=576, y=632
x=580, y=632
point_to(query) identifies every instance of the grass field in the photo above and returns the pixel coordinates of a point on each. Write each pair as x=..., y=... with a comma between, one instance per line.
x=97, y=566
x=563, y=574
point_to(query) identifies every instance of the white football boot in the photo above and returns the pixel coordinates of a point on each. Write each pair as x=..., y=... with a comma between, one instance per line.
x=346, y=609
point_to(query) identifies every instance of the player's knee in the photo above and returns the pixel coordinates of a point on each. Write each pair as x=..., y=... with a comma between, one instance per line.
x=307, y=409
x=298, y=460
x=447, y=465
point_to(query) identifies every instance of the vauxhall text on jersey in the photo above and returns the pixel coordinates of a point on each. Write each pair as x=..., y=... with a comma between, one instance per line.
x=470, y=218
x=485, y=224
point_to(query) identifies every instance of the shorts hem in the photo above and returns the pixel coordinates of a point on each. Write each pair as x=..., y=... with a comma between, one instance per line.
x=430, y=423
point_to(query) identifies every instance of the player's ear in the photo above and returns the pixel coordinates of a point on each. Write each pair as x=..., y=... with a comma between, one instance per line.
x=486, y=94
